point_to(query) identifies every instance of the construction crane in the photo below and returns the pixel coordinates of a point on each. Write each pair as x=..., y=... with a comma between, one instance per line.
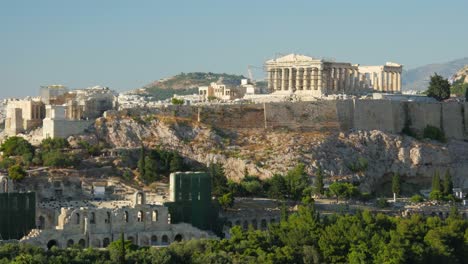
x=250, y=74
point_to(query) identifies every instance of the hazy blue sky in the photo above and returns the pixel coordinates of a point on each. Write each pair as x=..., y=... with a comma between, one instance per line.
x=126, y=44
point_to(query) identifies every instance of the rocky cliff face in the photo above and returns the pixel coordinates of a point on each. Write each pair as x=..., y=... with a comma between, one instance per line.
x=369, y=157
x=461, y=75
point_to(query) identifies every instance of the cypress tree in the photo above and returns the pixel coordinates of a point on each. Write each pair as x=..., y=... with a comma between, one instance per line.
x=436, y=182
x=319, y=181
x=141, y=161
x=448, y=184
x=122, y=253
x=396, y=183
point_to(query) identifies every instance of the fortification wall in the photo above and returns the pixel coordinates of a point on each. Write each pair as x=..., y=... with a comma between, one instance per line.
x=331, y=115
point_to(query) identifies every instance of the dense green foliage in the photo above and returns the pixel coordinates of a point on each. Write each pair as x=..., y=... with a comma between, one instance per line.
x=459, y=88
x=360, y=165
x=344, y=190
x=303, y=238
x=416, y=198
x=16, y=172
x=434, y=133
x=155, y=164
x=16, y=146
x=439, y=88
x=318, y=183
x=396, y=183
x=176, y=101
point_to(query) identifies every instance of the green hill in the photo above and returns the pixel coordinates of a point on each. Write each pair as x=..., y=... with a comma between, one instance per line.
x=187, y=83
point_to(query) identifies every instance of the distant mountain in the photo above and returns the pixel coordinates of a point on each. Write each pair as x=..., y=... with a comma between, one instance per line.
x=418, y=78
x=187, y=83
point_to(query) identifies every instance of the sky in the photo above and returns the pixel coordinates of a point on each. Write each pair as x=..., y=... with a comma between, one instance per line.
x=127, y=44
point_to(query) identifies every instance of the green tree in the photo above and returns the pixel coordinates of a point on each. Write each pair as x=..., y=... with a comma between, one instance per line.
x=16, y=172
x=343, y=190
x=176, y=101
x=226, y=201
x=50, y=144
x=218, y=179
x=177, y=163
x=278, y=188
x=16, y=146
x=466, y=93
x=448, y=184
x=439, y=88
x=150, y=171
x=396, y=182
x=297, y=180
x=436, y=182
x=141, y=161
x=319, y=181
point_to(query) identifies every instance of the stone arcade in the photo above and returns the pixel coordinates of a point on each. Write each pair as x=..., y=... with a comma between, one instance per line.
x=98, y=224
x=307, y=76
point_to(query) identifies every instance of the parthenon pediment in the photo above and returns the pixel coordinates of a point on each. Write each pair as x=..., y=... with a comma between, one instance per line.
x=292, y=58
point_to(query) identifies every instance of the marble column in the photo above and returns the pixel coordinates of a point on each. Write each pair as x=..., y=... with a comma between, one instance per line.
x=319, y=85
x=298, y=79
x=283, y=79
x=275, y=79
x=290, y=80
x=305, y=79
x=270, y=79
x=399, y=82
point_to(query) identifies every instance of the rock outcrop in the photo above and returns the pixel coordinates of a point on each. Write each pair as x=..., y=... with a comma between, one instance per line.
x=266, y=152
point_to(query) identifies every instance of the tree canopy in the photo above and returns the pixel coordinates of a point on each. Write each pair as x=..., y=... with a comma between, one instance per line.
x=439, y=88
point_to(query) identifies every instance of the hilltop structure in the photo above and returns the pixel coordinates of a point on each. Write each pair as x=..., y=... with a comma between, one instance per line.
x=60, y=112
x=307, y=76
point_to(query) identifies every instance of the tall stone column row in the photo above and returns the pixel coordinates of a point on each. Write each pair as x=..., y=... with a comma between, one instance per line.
x=292, y=79
x=388, y=81
x=343, y=79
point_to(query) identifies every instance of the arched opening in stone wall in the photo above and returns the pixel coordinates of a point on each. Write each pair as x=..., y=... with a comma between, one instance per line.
x=132, y=240
x=4, y=185
x=77, y=218
x=165, y=240
x=154, y=240
x=141, y=216
x=70, y=243
x=254, y=224
x=229, y=224
x=245, y=225
x=108, y=218
x=105, y=242
x=96, y=243
x=238, y=223
x=52, y=243
x=126, y=217
x=272, y=221
x=92, y=219
x=140, y=198
x=155, y=216
x=144, y=241
x=41, y=222
x=263, y=224
x=178, y=238
x=82, y=243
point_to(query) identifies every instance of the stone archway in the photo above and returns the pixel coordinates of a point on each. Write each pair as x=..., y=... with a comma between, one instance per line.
x=41, y=222
x=70, y=243
x=132, y=239
x=140, y=198
x=52, y=243
x=96, y=243
x=263, y=224
x=154, y=240
x=82, y=243
x=178, y=238
x=165, y=240
x=144, y=241
x=105, y=242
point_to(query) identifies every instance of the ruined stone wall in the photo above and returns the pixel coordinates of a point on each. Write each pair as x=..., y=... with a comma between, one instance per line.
x=330, y=116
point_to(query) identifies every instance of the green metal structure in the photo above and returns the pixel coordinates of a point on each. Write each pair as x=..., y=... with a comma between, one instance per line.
x=17, y=214
x=191, y=200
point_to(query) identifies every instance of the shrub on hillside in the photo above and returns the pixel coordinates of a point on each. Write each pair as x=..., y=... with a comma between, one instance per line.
x=434, y=133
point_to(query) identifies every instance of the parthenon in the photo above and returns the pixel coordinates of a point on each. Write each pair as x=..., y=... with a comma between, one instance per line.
x=304, y=75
